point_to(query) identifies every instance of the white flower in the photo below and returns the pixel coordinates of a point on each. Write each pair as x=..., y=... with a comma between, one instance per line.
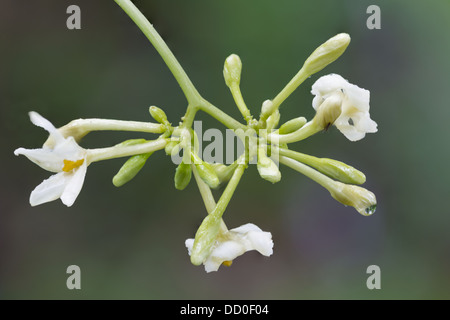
x=66, y=158
x=354, y=119
x=234, y=243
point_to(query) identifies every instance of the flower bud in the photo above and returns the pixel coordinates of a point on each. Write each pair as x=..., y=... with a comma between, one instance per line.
x=326, y=53
x=361, y=199
x=171, y=147
x=267, y=168
x=266, y=109
x=158, y=114
x=339, y=171
x=292, y=125
x=273, y=120
x=183, y=175
x=232, y=70
x=205, y=171
x=130, y=169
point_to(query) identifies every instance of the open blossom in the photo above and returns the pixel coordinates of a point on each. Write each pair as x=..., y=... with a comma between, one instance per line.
x=353, y=118
x=234, y=243
x=66, y=158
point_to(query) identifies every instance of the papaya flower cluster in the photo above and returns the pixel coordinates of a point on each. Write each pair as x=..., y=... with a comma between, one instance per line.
x=336, y=101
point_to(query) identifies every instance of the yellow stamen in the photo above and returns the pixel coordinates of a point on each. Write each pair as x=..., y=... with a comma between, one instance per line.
x=227, y=263
x=69, y=165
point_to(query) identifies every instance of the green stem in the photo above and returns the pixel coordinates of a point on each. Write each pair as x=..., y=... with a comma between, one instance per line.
x=229, y=191
x=119, y=151
x=314, y=175
x=146, y=27
x=221, y=116
x=301, y=76
x=207, y=196
x=239, y=100
x=304, y=132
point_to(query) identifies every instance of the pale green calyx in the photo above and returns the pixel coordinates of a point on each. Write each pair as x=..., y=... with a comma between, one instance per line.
x=232, y=70
x=328, y=111
x=204, y=239
x=326, y=53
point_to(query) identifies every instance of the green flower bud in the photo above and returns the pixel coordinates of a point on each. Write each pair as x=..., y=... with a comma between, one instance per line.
x=272, y=120
x=159, y=115
x=172, y=146
x=339, y=171
x=130, y=169
x=266, y=109
x=361, y=199
x=232, y=70
x=182, y=176
x=326, y=53
x=292, y=125
x=204, y=239
x=205, y=171
x=267, y=168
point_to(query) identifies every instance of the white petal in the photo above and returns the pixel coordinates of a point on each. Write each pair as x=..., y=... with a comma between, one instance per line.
x=261, y=241
x=357, y=97
x=225, y=251
x=69, y=149
x=246, y=228
x=49, y=190
x=364, y=123
x=328, y=84
x=189, y=243
x=350, y=131
x=74, y=185
x=40, y=121
x=44, y=158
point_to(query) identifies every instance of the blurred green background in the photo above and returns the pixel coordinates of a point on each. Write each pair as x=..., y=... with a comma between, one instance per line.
x=129, y=242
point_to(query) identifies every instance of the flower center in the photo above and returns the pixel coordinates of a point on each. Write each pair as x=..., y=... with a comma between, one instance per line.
x=69, y=165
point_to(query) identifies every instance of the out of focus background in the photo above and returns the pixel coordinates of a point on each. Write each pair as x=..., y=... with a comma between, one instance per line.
x=129, y=241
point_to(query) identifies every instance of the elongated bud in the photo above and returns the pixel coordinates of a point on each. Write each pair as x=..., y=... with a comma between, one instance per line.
x=326, y=53
x=158, y=114
x=328, y=111
x=292, y=125
x=266, y=109
x=183, y=175
x=232, y=70
x=340, y=171
x=361, y=199
x=272, y=120
x=172, y=146
x=130, y=169
x=205, y=238
x=267, y=168
x=205, y=171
